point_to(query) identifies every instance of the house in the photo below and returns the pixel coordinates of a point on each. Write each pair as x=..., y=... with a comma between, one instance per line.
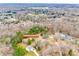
x=62, y=36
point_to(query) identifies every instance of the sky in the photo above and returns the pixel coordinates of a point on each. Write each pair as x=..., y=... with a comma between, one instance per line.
x=41, y=1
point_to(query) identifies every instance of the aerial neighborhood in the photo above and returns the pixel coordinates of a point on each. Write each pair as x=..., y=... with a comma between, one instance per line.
x=39, y=30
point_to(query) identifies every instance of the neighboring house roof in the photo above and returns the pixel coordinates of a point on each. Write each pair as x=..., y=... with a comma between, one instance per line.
x=30, y=36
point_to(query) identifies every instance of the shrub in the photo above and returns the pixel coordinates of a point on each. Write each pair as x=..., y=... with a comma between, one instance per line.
x=16, y=39
x=37, y=30
x=19, y=34
x=30, y=41
x=70, y=52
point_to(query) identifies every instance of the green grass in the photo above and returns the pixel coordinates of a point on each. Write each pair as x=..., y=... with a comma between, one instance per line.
x=20, y=51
